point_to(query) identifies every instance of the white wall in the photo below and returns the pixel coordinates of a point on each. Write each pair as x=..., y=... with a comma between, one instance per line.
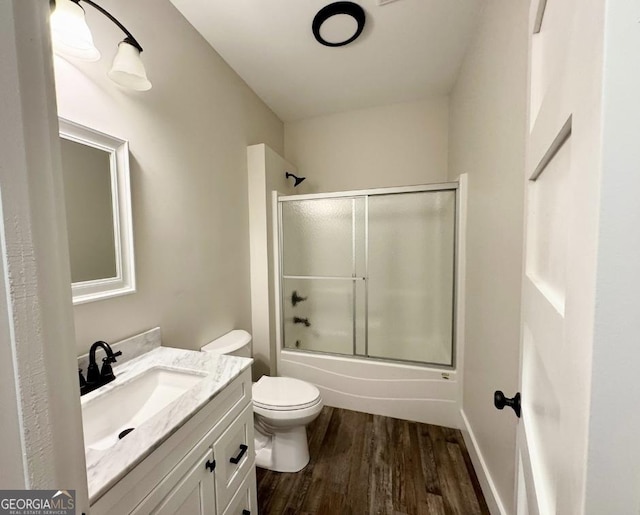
x=394, y=145
x=613, y=462
x=266, y=174
x=188, y=138
x=486, y=138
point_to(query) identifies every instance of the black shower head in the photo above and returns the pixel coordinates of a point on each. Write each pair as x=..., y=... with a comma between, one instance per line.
x=297, y=179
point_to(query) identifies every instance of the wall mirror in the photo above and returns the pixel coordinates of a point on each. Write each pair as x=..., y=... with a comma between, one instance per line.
x=95, y=169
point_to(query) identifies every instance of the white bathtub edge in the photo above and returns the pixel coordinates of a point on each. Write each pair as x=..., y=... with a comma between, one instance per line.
x=419, y=394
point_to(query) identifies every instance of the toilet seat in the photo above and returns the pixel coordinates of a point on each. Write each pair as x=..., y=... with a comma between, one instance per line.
x=284, y=394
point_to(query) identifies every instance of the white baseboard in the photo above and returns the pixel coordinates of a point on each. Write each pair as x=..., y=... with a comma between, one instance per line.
x=496, y=507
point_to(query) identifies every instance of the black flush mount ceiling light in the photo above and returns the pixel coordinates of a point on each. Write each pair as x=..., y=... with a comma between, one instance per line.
x=339, y=8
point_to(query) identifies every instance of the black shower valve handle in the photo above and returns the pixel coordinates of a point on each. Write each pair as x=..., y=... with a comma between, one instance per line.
x=295, y=298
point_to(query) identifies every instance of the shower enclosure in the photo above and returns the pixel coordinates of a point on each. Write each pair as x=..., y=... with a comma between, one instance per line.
x=370, y=274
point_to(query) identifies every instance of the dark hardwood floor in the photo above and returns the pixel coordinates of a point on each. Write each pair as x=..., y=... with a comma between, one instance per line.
x=368, y=464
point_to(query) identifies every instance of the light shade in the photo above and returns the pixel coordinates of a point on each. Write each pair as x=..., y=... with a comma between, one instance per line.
x=70, y=33
x=128, y=70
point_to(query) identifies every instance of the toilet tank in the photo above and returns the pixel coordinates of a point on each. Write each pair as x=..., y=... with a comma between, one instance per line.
x=235, y=343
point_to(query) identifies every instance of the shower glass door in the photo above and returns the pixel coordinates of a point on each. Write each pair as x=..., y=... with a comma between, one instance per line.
x=410, y=276
x=322, y=260
x=369, y=274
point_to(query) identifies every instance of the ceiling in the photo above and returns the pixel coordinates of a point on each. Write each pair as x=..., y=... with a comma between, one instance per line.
x=409, y=50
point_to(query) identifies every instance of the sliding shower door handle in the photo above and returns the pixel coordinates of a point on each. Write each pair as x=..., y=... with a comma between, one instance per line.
x=500, y=401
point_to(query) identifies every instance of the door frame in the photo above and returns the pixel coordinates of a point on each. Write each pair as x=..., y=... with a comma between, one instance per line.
x=37, y=313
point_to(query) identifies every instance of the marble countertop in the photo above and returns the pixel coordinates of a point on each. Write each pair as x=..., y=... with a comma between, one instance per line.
x=106, y=467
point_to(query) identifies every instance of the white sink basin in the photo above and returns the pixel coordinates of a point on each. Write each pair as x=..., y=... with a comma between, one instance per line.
x=129, y=404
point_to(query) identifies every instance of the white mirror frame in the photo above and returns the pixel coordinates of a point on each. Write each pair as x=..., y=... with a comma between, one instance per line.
x=124, y=282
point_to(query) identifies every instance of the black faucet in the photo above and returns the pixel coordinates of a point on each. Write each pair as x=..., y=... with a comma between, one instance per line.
x=95, y=377
x=298, y=320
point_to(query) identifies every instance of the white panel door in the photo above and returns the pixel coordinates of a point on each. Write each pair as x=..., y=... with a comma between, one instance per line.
x=562, y=178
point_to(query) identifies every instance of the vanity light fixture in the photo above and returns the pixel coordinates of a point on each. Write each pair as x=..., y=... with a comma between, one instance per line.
x=339, y=9
x=72, y=37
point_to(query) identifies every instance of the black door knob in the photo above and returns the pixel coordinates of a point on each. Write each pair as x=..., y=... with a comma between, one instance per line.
x=500, y=401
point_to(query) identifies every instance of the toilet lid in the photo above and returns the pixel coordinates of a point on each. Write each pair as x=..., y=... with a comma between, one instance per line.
x=284, y=393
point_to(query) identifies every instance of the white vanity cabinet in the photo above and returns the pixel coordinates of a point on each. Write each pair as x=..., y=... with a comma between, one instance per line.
x=193, y=495
x=207, y=467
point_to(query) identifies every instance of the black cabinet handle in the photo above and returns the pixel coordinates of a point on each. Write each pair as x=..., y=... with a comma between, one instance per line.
x=236, y=460
x=211, y=465
x=246, y=512
x=500, y=401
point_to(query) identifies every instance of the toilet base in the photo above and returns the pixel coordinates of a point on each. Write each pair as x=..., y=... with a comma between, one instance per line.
x=286, y=450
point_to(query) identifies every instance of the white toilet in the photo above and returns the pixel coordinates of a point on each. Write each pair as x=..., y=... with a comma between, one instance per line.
x=282, y=407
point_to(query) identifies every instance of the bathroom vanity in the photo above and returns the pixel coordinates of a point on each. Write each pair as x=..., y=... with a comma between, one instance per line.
x=192, y=448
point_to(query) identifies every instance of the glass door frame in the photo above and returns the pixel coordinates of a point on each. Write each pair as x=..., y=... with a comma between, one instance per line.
x=279, y=200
